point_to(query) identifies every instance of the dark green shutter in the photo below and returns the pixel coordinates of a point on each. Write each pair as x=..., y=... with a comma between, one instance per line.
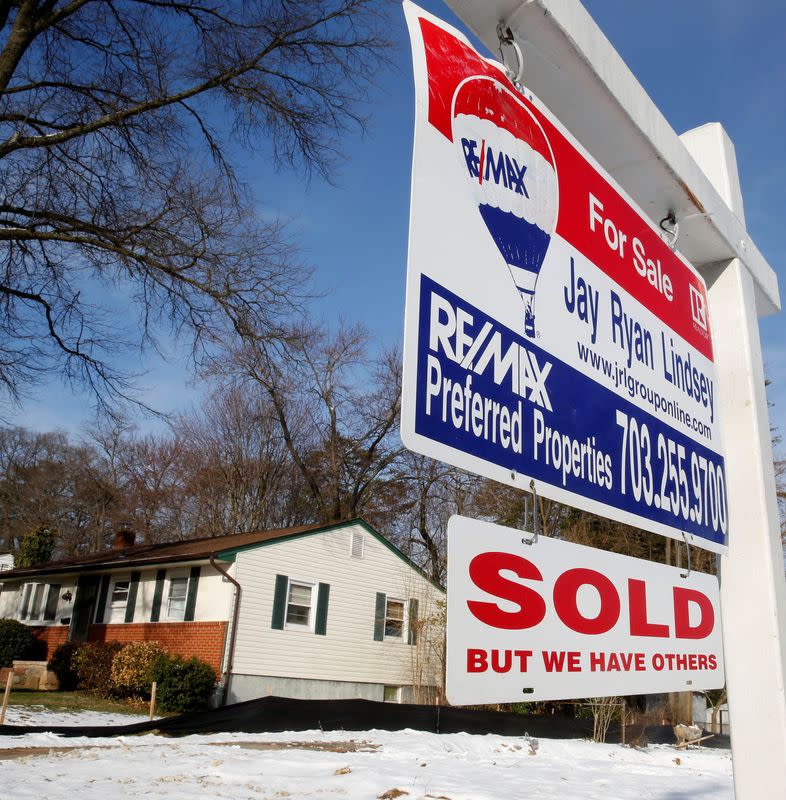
x=379, y=617
x=155, y=613
x=193, y=585
x=279, y=602
x=102, y=594
x=412, y=630
x=51, y=602
x=133, y=587
x=323, y=594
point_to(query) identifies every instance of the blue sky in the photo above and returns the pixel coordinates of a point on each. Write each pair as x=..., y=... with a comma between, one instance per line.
x=700, y=61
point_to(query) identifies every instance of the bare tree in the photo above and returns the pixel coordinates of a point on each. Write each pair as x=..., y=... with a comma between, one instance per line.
x=45, y=481
x=237, y=473
x=337, y=411
x=431, y=492
x=604, y=711
x=515, y=507
x=115, y=117
x=21, y=454
x=222, y=468
x=249, y=458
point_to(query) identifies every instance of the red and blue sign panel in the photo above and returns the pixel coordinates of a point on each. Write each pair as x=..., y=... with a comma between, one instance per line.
x=552, y=334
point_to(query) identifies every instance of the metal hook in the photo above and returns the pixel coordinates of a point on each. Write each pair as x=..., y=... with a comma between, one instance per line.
x=505, y=37
x=687, y=546
x=671, y=228
x=535, y=515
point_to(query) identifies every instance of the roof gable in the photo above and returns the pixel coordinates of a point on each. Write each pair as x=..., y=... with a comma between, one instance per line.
x=229, y=555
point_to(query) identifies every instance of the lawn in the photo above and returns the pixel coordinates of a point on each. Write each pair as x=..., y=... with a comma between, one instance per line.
x=73, y=701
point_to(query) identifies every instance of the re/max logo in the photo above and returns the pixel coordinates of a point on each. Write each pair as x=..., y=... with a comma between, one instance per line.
x=484, y=164
x=480, y=349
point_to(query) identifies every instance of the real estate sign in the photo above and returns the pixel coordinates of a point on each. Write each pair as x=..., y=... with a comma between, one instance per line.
x=555, y=620
x=551, y=333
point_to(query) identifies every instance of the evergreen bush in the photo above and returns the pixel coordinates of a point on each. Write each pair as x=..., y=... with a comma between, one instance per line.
x=16, y=642
x=184, y=685
x=63, y=665
x=36, y=547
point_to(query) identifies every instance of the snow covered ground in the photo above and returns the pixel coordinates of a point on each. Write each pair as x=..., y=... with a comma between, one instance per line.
x=38, y=715
x=317, y=765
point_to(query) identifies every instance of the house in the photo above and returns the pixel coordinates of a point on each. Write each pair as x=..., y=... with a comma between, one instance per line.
x=320, y=611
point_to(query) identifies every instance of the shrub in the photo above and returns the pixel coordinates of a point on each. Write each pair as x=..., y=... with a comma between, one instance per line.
x=16, y=641
x=63, y=665
x=184, y=685
x=37, y=651
x=134, y=667
x=93, y=663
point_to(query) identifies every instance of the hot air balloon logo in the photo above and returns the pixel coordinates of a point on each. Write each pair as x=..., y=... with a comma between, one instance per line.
x=510, y=167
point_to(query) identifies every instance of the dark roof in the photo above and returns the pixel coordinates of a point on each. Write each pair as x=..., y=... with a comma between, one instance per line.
x=186, y=550
x=200, y=549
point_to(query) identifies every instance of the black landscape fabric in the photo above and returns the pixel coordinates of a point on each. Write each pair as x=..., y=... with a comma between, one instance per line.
x=276, y=714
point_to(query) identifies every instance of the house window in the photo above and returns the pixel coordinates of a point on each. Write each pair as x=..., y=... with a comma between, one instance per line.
x=24, y=600
x=176, y=603
x=391, y=694
x=52, y=601
x=299, y=602
x=38, y=601
x=119, y=600
x=394, y=619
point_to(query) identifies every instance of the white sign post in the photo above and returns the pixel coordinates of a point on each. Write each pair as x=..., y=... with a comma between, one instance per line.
x=551, y=332
x=753, y=591
x=550, y=620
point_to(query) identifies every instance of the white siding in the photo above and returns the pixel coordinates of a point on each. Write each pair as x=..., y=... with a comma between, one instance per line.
x=348, y=652
x=144, y=596
x=9, y=600
x=214, y=596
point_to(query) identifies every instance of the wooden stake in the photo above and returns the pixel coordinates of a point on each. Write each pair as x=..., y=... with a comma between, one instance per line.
x=6, y=695
x=153, y=700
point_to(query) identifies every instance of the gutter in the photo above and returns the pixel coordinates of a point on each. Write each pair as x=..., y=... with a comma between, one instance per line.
x=230, y=650
x=118, y=562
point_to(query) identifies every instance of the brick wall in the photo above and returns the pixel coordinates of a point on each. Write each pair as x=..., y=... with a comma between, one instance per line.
x=204, y=640
x=52, y=637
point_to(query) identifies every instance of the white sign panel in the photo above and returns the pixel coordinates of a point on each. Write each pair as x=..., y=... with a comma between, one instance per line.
x=551, y=333
x=555, y=620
